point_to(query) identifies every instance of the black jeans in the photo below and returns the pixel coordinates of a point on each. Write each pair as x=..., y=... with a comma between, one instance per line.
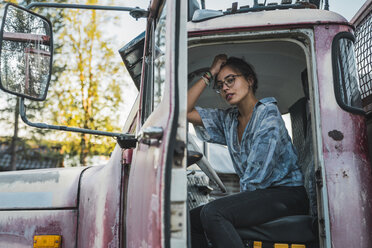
x=218, y=219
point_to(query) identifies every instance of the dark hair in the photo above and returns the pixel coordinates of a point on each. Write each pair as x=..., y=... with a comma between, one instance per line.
x=244, y=68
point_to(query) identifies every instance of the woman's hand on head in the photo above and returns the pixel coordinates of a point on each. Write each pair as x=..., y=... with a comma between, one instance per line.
x=218, y=62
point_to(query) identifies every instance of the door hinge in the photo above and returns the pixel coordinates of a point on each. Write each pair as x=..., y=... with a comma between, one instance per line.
x=179, y=152
x=322, y=232
x=151, y=135
x=318, y=177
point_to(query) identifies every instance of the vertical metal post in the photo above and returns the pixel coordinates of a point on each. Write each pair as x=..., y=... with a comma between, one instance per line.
x=255, y=4
x=326, y=5
x=202, y=4
x=206, y=149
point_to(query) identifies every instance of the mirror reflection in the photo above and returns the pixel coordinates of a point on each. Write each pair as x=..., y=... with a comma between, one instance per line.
x=26, y=53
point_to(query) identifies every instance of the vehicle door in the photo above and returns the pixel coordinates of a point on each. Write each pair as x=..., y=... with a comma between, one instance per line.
x=162, y=109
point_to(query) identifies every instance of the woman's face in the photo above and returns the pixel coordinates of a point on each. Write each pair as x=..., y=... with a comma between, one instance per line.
x=240, y=86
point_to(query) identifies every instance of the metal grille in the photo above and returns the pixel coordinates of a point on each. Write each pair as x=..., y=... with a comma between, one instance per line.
x=196, y=181
x=363, y=47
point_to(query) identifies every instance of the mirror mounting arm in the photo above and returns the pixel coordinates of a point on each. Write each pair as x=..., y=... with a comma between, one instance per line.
x=125, y=140
x=134, y=12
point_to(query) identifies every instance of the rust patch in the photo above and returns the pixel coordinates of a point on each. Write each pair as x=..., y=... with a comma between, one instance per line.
x=339, y=148
x=336, y=135
x=344, y=174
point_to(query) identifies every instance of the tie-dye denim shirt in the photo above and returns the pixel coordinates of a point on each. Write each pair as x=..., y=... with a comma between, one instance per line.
x=266, y=156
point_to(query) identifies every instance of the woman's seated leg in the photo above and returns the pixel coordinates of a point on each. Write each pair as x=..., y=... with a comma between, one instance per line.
x=221, y=217
x=198, y=239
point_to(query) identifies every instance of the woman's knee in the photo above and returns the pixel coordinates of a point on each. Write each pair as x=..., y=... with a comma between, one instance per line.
x=210, y=215
x=196, y=225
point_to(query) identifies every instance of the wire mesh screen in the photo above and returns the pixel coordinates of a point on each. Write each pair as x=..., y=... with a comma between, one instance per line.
x=197, y=183
x=363, y=47
x=349, y=88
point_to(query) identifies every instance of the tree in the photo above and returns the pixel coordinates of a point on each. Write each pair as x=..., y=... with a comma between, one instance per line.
x=86, y=85
x=88, y=92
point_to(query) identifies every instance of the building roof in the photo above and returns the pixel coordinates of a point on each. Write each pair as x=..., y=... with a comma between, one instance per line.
x=32, y=158
x=27, y=164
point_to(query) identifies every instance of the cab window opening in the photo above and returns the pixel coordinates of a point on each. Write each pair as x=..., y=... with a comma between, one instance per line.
x=154, y=65
x=147, y=100
x=282, y=69
x=159, y=58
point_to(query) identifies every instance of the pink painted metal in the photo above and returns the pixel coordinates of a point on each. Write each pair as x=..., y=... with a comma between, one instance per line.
x=294, y=18
x=82, y=204
x=146, y=187
x=144, y=219
x=38, y=202
x=346, y=163
x=99, y=222
x=127, y=156
x=19, y=227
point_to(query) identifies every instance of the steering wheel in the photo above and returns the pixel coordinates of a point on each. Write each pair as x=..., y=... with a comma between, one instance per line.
x=203, y=163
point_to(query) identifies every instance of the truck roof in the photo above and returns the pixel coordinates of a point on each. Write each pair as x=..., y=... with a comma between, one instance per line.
x=262, y=55
x=269, y=18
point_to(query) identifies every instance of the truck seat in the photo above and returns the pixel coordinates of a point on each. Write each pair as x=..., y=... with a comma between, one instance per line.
x=290, y=229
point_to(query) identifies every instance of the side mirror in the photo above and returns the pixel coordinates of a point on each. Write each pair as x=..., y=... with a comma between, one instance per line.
x=26, y=53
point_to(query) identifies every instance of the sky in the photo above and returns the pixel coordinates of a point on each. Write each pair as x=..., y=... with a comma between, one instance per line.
x=347, y=8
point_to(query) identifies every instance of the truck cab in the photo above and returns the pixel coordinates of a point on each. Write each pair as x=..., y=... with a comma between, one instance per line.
x=304, y=57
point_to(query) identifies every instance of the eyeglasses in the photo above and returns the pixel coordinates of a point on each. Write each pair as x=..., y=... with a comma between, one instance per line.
x=229, y=81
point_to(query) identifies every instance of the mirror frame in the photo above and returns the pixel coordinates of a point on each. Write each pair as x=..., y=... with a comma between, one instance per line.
x=51, y=52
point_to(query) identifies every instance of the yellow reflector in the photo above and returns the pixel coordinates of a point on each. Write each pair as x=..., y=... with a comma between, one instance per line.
x=298, y=246
x=281, y=246
x=47, y=241
x=257, y=244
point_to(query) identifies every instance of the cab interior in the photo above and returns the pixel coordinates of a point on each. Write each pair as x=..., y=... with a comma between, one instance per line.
x=280, y=65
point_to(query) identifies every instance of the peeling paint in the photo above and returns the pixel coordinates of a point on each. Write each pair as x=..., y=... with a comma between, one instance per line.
x=41, y=177
x=22, y=199
x=346, y=166
x=19, y=227
x=50, y=188
x=99, y=209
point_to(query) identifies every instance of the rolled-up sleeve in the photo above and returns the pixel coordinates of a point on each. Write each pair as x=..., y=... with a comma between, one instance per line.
x=213, y=125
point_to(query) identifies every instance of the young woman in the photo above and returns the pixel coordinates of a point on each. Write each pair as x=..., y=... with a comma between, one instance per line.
x=263, y=156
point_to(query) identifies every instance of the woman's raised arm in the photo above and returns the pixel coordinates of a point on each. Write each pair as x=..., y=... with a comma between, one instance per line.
x=195, y=91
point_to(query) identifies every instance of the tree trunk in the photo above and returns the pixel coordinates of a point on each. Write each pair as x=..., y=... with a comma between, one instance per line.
x=13, y=145
x=83, y=150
